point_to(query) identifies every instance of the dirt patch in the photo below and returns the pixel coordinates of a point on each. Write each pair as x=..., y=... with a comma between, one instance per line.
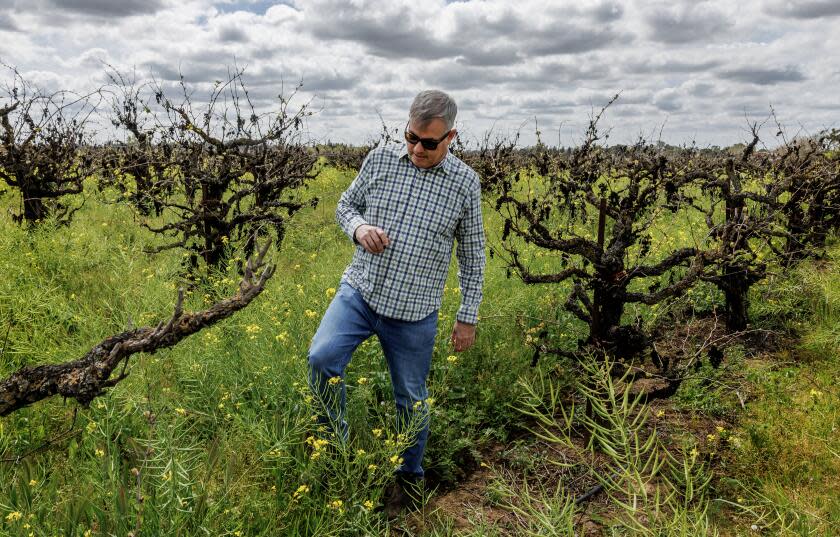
x=479, y=502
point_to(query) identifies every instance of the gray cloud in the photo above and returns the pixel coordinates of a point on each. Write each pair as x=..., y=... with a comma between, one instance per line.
x=96, y=8
x=687, y=23
x=804, y=9
x=477, y=39
x=7, y=23
x=389, y=35
x=763, y=76
x=232, y=34
x=607, y=11
x=563, y=38
x=668, y=101
x=488, y=57
x=671, y=66
x=505, y=62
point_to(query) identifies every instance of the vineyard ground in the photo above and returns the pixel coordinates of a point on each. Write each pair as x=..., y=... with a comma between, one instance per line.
x=212, y=434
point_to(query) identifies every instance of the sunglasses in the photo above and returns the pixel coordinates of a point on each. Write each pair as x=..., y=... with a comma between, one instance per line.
x=429, y=144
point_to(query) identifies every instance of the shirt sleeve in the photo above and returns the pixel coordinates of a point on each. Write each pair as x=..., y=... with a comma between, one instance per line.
x=352, y=204
x=470, y=253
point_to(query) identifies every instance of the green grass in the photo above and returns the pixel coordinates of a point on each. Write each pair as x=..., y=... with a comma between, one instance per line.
x=212, y=434
x=785, y=477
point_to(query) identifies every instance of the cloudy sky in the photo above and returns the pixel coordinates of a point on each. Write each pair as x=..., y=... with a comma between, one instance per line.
x=694, y=71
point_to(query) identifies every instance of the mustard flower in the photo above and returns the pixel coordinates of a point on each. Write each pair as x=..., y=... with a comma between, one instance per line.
x=337, y=505
x=301, y=490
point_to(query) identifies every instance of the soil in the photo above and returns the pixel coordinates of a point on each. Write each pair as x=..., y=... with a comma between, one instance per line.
x=475, y=502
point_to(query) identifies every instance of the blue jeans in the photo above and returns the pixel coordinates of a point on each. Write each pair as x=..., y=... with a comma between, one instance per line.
x=408, y=348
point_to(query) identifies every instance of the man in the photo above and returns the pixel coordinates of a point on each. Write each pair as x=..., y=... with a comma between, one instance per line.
x=404, y=210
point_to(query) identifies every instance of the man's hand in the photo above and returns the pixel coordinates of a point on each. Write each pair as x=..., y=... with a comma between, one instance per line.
x=373, y=239
x=463, y=336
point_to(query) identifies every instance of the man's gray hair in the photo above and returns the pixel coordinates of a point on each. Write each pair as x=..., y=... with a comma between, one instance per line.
x=431, y=104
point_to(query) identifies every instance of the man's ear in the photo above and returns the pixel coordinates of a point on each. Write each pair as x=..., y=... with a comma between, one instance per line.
x=452, y=134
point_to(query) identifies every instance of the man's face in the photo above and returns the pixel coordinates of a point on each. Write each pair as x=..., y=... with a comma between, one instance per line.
x=435, y=129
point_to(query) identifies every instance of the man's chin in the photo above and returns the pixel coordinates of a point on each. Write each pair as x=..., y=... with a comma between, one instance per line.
x=420, y=162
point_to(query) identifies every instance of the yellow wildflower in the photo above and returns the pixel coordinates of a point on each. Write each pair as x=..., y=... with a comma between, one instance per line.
x=362, y=381
x=253, y=329
x=368, y=505
x=660, y=413
x=14, y=516
x=361, y=452
x=282, y=337
x=311, y=314
x=377, y=432
x=181, y=411
x=396, y=460
x=815, y=393
x=372, y=467
x=330, y=292
x=33, y=482
x=334, y=380
x=99, y=453
x=452, y=359
x=91, y=427
x=301, y=490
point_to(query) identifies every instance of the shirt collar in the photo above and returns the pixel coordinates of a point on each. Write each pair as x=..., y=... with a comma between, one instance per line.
x=445, y=164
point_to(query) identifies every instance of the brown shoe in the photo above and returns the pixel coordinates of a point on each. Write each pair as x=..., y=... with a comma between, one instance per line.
x=402, y=495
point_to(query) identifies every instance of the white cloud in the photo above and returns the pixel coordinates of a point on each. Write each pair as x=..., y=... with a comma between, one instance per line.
x=694, y=66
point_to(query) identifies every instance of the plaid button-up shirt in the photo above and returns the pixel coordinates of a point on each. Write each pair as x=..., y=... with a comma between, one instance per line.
x=422, y=211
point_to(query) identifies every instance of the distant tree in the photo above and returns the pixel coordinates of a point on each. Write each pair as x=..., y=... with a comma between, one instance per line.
x=764, y=207
x=551, y=205
x=142, y=166
x=494, y=159
x=231, y=174
x=43, y=142
x=804, y=188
